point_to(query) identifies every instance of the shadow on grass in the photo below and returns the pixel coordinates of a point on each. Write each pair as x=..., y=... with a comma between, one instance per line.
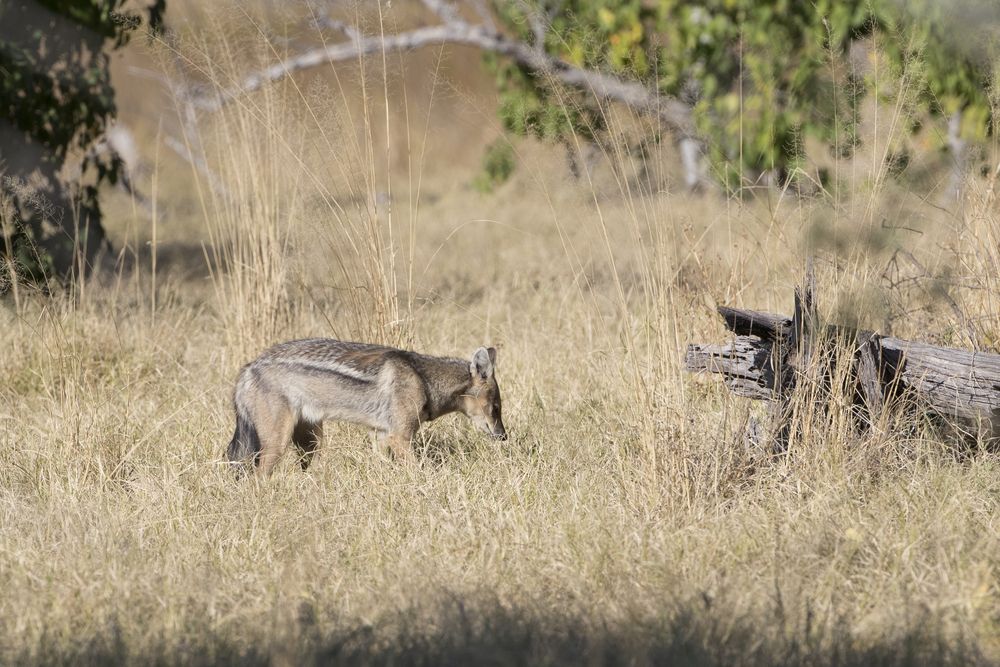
x=491, y=634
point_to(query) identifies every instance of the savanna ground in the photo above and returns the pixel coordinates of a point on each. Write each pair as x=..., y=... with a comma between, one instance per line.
x=625, y=521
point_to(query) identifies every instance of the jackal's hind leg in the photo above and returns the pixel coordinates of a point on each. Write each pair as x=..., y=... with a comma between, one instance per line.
x=307, y=436
x=275, y=432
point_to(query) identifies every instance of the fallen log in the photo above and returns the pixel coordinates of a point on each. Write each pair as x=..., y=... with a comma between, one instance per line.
x=770, y=351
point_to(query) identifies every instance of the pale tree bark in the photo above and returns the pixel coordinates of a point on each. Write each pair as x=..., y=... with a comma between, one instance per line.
x=693, y=162
x=957, y=149
x=673, y=114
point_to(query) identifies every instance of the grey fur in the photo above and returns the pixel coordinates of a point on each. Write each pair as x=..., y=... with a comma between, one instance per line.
x=292, y=388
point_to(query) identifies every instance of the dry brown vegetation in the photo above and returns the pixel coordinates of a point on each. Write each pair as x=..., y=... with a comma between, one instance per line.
x=626, y=521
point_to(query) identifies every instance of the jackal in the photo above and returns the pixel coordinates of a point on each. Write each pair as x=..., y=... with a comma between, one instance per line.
x=291, y=389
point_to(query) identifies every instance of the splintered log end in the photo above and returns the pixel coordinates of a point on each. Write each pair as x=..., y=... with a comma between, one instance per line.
x=745, y=363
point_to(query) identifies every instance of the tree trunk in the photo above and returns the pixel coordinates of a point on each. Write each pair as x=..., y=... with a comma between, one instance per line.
x=957, y=149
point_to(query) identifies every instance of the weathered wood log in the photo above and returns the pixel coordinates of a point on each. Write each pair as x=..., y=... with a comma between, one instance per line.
x=953, y=382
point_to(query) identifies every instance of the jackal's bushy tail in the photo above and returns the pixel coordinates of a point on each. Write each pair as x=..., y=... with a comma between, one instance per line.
x=245, y=445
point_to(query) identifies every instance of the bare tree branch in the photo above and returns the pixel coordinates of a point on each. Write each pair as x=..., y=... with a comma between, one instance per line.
x=671, y=112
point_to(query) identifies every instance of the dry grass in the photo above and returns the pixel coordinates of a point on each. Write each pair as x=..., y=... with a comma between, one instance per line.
x=624, y=522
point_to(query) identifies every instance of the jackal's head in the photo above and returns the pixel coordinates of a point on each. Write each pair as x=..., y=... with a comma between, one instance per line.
x=482, y=402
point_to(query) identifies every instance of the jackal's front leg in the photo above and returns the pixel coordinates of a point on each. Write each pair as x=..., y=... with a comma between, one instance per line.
x=401, y=444
x=307, y=436
x=405, y=395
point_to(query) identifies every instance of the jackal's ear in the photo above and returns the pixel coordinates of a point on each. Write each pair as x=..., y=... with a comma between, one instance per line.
x=482, y=363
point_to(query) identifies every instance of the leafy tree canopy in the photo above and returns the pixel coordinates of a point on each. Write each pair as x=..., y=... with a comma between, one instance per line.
x=761, y=75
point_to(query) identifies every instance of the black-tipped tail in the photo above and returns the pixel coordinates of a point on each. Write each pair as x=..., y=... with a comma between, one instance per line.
x=244, y=448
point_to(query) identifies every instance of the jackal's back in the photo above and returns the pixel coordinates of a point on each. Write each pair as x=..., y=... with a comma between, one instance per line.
x=362, y=361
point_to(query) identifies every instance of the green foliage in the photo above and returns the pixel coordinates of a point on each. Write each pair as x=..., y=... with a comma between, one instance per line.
x=527, y=110
x=33, y=100
x=62, y=108
x=761, y=75
x=498, y=165
x=56, y=89
x=954, y=74
x=755, y=72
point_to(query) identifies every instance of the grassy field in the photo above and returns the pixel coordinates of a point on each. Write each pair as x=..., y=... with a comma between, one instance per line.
x=626, y=521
